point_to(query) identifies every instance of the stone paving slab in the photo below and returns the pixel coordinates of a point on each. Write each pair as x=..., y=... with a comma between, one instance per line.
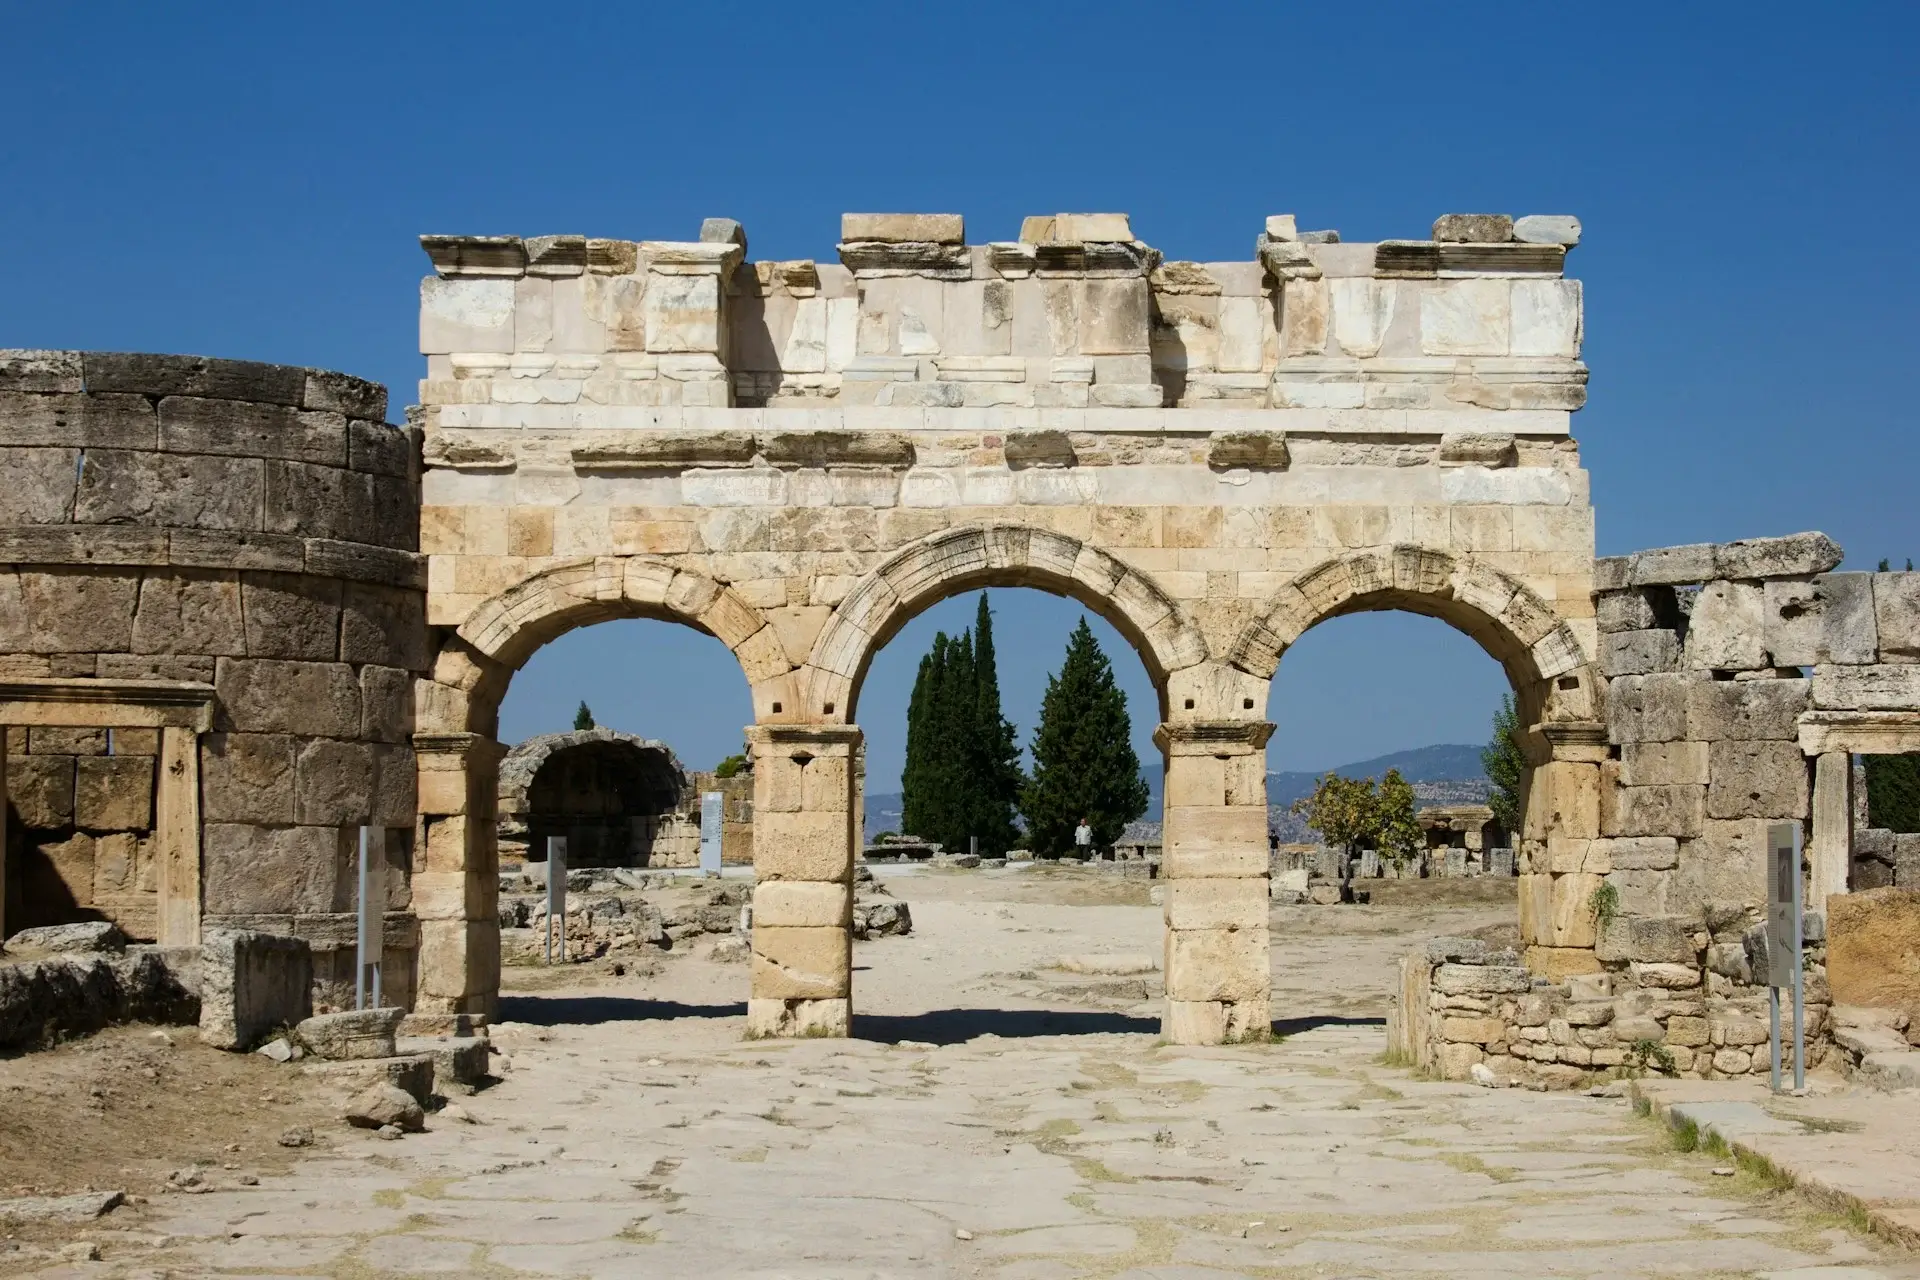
x=1852, y=1150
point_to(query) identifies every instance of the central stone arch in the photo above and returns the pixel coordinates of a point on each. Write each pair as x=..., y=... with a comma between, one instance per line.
x=996, y=555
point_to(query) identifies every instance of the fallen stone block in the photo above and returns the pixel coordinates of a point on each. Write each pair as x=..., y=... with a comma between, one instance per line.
x=457, y=1060
x=252, y=984
x=74, y=993
x=1892, y=1069
x=413, y=1073
x=357, y=1033
x=383, y=1105
x=88, y=935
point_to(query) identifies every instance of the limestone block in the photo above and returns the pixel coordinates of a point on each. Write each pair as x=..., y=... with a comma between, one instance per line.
x=384, y=625
x=333, y=783
x=1546, y=318
x=290, y=615
x=40, y=791
x=1726, y=864
x=113, y=793
x=682, y=313
x=395, y=798
x=1572, y=921
x=1243, y=328
x=1217, y=964
x=1631, y=610
x=1659, y=811
x=1873, y=949
x=1477, y=448
x=1668, y=566
x=466, y=315
x=272, y=696
x=249, y=870
x=904, y=228
x=251, y=984
x=1362, y=311
x=802, y=904
x=1217, y=904
x=80, y=609
x=189, y=611
x=1634, y=653
x=1481, y=980
x=1794, y=555
x=791, y=962
x=1113, y=318
x=1547, y=228
x=1670, y=977
x=247, y=777
x=1473, y=228
x=1725, y=632
x=1746, y=710
x=309, y=500
x=803, y=846
x=354, y=1035
x=798, y=1019
x=1657, y=939
x=1896, y=608
x=1465, y=318
x=1849, y=626
x=1657, y=764
x=1304, y=318
x=1757, y=780
x=1792, y=612
x=41, y=485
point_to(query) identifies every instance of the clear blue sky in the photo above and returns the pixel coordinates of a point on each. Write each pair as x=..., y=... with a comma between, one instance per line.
x=250, y=183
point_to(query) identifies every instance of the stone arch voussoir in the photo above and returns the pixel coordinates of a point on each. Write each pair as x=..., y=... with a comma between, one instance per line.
x=1005, y=555
x=1519, y=629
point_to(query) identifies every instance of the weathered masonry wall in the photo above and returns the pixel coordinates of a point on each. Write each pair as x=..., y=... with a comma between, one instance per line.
x=1741, y=678
x=176, y=527
x=797, y=457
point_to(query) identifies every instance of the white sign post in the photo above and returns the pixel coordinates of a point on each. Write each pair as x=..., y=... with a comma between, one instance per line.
x=1785, y=926
x=369, y=942
x=711, y=803
x=556, y=893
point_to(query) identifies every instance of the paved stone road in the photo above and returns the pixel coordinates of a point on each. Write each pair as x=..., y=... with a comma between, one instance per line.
x=651, y=1149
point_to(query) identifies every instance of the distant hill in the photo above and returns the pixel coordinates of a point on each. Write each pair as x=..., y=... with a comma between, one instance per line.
x=1447, y=773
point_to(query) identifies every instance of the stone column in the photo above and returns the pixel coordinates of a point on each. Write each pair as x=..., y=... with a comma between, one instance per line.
x=1562, y=863
x=803, y=853
x=456, y=875
x=1830, y=858
x=176, y=838
x=1214, y=860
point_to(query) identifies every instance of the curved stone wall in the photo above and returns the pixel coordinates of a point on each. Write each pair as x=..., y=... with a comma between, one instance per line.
x=249, y=527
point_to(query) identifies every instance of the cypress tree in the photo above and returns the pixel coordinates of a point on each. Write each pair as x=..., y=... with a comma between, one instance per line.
x=583, y=718
x=913, y=775
x=995, y=779
x=1083, y=759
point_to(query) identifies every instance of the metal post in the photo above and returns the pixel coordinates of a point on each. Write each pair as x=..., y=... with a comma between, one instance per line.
x=369, y=935
x=556, y=893
x=1799, y=969
x=1773, y=1033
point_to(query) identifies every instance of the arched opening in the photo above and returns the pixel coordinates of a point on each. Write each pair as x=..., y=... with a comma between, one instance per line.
x=619, y=800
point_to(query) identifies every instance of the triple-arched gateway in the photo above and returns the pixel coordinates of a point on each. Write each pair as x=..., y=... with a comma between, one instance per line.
x=799, y=457
x=242, y=616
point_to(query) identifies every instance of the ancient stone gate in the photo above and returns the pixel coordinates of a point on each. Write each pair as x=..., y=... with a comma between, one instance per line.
x=797, y=457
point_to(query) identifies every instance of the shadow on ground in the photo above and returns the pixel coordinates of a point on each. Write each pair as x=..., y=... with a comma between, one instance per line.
x=952, y=1026
x=554, y=1011
x=1313, y=1022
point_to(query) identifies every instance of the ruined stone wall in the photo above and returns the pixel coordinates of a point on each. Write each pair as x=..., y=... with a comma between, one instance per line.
x=1740, y=678
x=249, y=527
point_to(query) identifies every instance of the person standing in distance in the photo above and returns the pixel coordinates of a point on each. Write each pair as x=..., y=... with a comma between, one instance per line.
x=1083, y=839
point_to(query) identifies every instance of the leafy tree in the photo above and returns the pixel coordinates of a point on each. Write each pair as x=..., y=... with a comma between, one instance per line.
x=583, y=718
x=1345, y=811
x=1398, y=829
x=1506, y=767
x=1893, y=792
x=1083, y=759
x=730, y=767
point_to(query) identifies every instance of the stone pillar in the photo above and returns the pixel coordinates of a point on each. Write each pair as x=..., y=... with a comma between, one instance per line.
x=176, y=838
x=1215, y=863
x=456, y=875
x=1562, y=865
x=1830, y=857
x=803, y=854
